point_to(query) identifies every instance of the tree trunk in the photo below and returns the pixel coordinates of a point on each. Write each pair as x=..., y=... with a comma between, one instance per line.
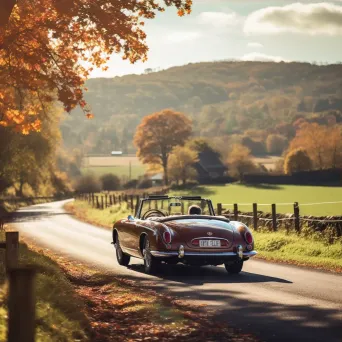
x=6, y=7
x=166, y=176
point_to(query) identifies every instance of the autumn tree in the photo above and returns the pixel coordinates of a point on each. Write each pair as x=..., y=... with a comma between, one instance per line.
x=276, y=144
x=323, y=144
x=240, y=161
x=297, y=160
x=181, y=164
x=49, y=47
x=158, y=134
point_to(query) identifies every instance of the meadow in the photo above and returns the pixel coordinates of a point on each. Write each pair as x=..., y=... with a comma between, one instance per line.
x=245, y=195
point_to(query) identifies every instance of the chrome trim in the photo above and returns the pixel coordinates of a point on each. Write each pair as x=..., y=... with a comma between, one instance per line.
x=218, y=254
x=240, y=251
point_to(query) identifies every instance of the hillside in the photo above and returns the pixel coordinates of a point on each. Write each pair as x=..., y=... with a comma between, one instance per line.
x=226, y=100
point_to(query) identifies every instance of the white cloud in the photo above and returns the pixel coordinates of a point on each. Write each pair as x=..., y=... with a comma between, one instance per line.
x=255, y=45
x=314, y=19
x=256, y=56
x=219, y=19
x=180, y=37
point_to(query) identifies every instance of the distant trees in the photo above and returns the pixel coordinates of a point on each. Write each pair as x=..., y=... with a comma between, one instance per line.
x=276, y=144
x=297, y=160
x=181, y=163
x=158, y=134
x=323, y=144
x=240, y=161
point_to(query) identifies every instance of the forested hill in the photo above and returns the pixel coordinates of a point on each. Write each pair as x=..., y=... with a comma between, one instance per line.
x=223, y=98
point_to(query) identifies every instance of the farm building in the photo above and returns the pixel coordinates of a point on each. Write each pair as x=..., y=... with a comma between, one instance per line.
x=209, y=166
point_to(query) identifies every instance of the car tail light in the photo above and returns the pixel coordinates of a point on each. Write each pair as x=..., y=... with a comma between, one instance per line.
x=224, y=243
x=167, y=237
x=248, y=238
x=195, y=242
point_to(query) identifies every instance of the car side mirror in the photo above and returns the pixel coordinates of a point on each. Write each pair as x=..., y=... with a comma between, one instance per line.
x=130, y=218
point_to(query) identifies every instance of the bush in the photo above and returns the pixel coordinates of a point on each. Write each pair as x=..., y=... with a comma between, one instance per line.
x=145, y=184
x=132, y=184
x=88, y=184
x=110, y=182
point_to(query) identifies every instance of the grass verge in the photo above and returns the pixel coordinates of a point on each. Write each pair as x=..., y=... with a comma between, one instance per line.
x=303, y=250
x=103, y=218
x=60, y=312
x=300, y=250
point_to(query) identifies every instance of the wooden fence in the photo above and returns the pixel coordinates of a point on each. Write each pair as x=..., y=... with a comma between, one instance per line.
x=21, y=293
x=274, y=220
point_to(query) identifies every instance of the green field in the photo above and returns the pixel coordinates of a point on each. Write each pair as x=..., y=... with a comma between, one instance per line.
x=268, y=194
x=120, y=171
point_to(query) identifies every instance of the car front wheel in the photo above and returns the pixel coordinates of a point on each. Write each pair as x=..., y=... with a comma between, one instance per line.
x=234, y=268
x=122, y=258
x=150, y=263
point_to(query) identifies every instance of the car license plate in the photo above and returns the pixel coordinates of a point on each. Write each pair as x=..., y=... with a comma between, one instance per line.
x=210, y=243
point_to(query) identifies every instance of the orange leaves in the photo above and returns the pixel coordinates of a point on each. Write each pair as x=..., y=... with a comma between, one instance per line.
x=45, y=41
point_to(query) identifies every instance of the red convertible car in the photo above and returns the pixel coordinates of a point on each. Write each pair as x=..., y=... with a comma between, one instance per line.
x=181, y=229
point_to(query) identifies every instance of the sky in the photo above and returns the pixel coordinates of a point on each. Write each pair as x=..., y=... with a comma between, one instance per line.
x=264, y=30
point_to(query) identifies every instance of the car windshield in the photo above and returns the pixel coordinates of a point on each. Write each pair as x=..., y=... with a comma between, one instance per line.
x=167, y=206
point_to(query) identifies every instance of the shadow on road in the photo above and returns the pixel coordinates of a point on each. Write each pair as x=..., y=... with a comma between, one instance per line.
x=202, y=275
x=34, y=215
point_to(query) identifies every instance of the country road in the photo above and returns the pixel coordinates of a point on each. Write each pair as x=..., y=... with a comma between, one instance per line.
x=274, y=302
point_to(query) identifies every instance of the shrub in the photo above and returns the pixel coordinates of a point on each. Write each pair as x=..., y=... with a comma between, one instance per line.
x=132, y=184
x=110, y=182
x=87, y=184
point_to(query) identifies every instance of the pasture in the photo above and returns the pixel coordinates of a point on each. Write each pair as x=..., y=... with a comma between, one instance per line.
x=244, y=195
x=117, y=165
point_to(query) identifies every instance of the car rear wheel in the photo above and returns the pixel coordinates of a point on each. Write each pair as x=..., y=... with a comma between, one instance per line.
x=150, y=263
x=122, y=258
x=234, y=268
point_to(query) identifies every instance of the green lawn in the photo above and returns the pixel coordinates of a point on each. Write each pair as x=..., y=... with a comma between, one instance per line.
x=120, y=171
x=267, y=194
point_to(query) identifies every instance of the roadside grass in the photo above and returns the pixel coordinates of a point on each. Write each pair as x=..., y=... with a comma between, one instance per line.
x=60, y=312
x=304, y=249
x=103, y=218
x=267, y=193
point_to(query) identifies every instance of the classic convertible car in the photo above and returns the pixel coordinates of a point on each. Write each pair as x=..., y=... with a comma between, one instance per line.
x=181, y=229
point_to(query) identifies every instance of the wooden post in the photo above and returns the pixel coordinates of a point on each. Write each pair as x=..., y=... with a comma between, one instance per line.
x=92, y=198
x=219, y=209
x=255, y=216
x=236, y=212
x=97, y=202
x=102, y=202
x=21, y=305
x=274, y=217
x=132, y=202
x=296, y=215
x=106, y=201
x=114, y=199
x=110, y=200
x=12, y=250
x=137, y=205
x=120, y=199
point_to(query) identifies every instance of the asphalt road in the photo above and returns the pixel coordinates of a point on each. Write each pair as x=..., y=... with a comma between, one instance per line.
x=274, y=302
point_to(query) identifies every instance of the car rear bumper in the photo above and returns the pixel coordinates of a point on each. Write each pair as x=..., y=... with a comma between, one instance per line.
x=169, y=254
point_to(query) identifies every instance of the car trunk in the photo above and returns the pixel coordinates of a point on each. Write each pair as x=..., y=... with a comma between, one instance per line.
x=197, y=229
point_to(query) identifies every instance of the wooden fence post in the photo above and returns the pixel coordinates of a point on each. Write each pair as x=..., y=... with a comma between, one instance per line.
x=236, y=212
x=219, y=209
x=120, y=199
x=137, y=205
x=114, y=199
x=106, y=201
x=296, y=215
x=132, y=202
x=255, y=216
x=102, y=202
x=97, y=202
x=92, y=199
x=21, y=305
x=274, y=217
x=12, y=250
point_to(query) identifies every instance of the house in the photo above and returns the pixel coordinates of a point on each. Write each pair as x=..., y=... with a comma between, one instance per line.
x=209, y=166
x=157, y=180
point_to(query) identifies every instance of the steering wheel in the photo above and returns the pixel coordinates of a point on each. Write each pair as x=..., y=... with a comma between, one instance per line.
x=151, y=212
